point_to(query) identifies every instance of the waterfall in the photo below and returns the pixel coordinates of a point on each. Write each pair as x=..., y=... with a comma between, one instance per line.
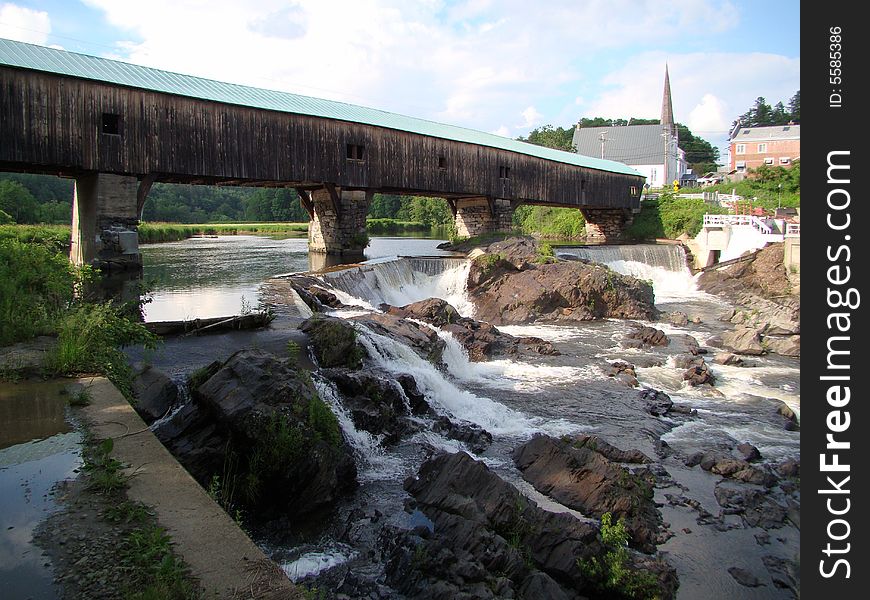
x=449, y=399
x=670, y=257
x=662, y=264
x=403, y=281
x=377, y=464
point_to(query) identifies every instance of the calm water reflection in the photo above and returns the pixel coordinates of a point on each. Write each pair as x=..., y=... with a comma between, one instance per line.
x=212, y=277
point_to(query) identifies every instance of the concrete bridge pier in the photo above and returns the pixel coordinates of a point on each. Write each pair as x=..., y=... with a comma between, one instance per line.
x=338, y=220
x=105, y=221
x=481, y=215
x=606, y=224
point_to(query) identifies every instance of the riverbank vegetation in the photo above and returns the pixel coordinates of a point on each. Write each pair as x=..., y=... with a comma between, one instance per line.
x=767, y=187
x=42, y=293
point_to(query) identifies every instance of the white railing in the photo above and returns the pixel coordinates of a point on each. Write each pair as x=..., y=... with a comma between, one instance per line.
x=723, y=220
x=792, y=230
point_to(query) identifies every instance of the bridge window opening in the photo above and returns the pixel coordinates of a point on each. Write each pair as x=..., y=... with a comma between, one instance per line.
x=111, y=124
x=504, y=172
x=442, y=162
x=633, y=190
x=355, y=152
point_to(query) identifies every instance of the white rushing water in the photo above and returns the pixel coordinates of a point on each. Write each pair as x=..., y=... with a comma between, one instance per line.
x=403, y=281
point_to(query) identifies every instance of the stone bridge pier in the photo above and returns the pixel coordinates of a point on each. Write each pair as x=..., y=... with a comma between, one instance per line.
x=338, y=220
x=606, y=224
x=481, y=215
x=105, y=219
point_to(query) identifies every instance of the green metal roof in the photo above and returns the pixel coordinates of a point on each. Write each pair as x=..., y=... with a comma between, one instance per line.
x=83, y=66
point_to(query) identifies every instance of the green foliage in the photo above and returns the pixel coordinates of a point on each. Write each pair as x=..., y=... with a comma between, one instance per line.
x=323, y=422
x=383, y=225
x=552, y=137
x=53, y=237
x=611, y=576
x=551, y=223
x=763, y=114
x=36, y=289
x=156, y=572
x=670, y=216
x=89, y=340
x=768, y=186
x=105, y=473
x=293, y=350
x=81, y=398
x=280, y=444
x=545, y=253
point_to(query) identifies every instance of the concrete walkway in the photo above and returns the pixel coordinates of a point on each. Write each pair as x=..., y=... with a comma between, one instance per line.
x=224, y=559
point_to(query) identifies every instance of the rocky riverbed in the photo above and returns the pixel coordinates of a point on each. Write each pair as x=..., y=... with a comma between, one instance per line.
x=549, y=431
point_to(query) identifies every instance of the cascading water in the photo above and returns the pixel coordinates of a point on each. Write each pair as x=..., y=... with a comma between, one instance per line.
x=662, y=264
x=403, y=281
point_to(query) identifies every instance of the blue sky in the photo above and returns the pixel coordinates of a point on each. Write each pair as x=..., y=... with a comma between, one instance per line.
x=503, y=66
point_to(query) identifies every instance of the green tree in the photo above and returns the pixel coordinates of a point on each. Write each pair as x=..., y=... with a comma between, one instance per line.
x=794, y=107
x=17, y=202
x=552, y=137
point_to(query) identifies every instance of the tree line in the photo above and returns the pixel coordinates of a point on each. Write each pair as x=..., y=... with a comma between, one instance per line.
x=700, y=154
x=763, y=114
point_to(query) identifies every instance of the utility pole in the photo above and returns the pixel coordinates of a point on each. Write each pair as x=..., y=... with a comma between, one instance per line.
x=602, y=138
x=665, y=136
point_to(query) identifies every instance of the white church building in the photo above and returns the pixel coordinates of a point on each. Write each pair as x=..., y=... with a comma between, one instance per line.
x=650, y=149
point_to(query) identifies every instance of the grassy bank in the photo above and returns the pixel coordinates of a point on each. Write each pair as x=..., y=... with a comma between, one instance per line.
x=41, y=293
x=170, y=232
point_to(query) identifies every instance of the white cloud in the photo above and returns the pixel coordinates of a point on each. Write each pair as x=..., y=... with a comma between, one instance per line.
x=502, y=131
x=709, y=90
x=531, y=118
x=710, y=114
x=24, y=24
x=474, y=62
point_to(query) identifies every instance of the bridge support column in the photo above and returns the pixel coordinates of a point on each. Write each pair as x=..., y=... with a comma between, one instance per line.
x=338, y=223
x=478, y=216
x=606, y=224
x=105, y=221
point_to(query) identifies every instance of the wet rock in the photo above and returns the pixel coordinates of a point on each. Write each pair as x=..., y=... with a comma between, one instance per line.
x=687, y=361
x=481, y=341
x=699, y=374
x=789, y=417
x=643, y=335
x=784, y=345
x=755, y=506
x=334, y=342
x=490, y=541
x=475, y=437
x=258, y=414
x=508, y=284
x=416, y=398
x=744, y=577
x=727, y=358
x=154, y=391
x=420, y=338
x=657, y=402
x=789, y=468
x=376, y=403
x=748, y=452
x=678, y=319
x=784, y=573
x=624, y=373
x=743, y=340
x=575, y=473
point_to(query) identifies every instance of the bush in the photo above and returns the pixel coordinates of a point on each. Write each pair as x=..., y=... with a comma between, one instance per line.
x=36, y=288
x=611, y=576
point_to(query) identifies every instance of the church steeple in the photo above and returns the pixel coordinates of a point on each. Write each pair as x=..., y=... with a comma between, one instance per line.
x=667, y=106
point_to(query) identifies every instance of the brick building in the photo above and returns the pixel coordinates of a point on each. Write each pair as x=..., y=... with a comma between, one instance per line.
x=776, y=145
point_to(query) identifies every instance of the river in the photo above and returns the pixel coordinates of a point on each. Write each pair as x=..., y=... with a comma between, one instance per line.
x=513, y=399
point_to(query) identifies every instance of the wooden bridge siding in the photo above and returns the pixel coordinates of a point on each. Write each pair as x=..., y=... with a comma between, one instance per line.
x=59, y=119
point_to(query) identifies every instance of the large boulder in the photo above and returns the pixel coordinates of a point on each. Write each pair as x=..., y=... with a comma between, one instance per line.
x=258, y=428
x=376, y=403
x=334, y=342
x=154, y=392
x=420, y=338
x=578, y=474
x=481, y=341
x=487, y=540
x=510, y=283
x=743, y=340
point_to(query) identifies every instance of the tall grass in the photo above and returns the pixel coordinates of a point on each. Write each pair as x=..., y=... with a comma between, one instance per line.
x=36, y=289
